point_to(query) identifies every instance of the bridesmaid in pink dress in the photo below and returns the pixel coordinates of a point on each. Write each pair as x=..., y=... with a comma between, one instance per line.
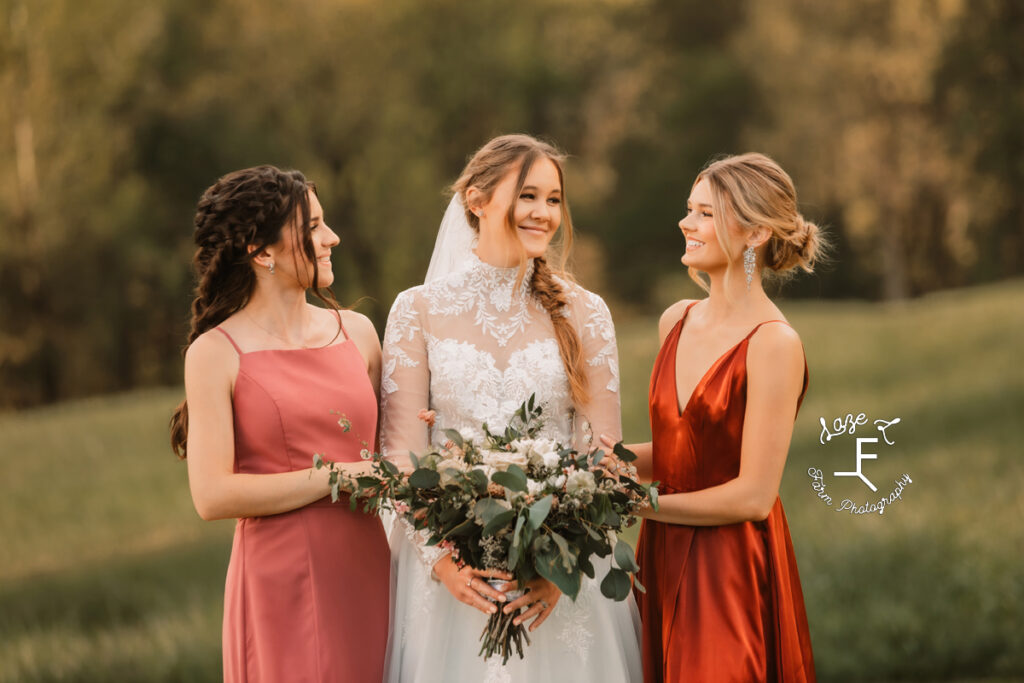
x=270, y=380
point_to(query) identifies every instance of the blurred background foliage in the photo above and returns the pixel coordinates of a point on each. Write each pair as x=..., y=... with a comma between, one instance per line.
x=899, y=120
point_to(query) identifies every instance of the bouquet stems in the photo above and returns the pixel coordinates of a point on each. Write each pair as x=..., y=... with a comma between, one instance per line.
x=500, y=633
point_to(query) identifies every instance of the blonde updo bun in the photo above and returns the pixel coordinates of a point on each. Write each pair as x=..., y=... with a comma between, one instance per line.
x=799, y=249
x=756, y=192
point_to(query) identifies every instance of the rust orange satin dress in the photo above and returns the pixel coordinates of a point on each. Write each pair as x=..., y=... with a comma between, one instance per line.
x=306, y=596
x=723, y=603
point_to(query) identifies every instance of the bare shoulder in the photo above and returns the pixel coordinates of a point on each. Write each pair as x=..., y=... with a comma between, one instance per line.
x=775, y=349
x=671, y=316
x=359, y=326
x=211, y=359
x=210, y=347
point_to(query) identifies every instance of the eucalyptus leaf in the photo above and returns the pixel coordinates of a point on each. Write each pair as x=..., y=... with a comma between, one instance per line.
x=623, y=453
x=479, y=479
x=513, y=478
x=539, y=511
x=388, y=466
x=568, y=559
x=498, y=522
x=466, y=528
x=615, y=585
x=454, y=436
x=548, y=564
x=424, y=478
x=624, y=556
x=487, y=508
x=518, y=531
x=585, y=566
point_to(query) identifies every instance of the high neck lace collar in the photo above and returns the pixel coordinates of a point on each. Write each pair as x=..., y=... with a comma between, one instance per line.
x=501, y=278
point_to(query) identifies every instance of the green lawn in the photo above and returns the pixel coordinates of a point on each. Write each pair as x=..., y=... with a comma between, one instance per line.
x=106, y=573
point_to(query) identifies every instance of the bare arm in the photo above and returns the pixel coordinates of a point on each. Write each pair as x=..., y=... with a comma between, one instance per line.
x=364, y=335
x=775, y=370
x=218, y=492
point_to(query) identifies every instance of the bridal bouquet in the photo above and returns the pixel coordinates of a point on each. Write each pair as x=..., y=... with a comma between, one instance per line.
x=517, y=502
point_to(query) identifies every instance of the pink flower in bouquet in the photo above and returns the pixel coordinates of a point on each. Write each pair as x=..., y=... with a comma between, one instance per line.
x=427, y=416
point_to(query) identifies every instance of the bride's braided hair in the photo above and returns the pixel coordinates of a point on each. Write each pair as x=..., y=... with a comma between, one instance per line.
x=243, y=209
x=484, y=171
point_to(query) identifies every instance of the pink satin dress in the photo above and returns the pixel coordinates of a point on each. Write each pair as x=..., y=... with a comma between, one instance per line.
x=723, y=603
x=306, y=597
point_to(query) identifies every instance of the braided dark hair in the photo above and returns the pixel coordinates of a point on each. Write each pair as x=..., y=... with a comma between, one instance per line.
x=243, y=209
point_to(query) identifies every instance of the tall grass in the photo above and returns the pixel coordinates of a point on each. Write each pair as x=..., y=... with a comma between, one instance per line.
x=106, y=573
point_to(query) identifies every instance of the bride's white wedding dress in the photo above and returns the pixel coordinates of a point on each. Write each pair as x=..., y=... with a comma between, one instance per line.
x=472, y=346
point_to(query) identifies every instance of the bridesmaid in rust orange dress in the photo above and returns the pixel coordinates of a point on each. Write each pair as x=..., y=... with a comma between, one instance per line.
x=271, y=380
x=723, y=601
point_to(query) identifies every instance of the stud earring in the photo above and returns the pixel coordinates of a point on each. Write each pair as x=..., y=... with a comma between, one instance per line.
x=748, y=265
x=271, y=268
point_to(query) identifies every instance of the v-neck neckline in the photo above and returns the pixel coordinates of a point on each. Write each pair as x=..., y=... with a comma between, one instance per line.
x=681, y=410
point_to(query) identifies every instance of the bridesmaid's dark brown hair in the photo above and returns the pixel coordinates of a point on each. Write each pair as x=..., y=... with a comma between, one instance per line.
x=243, y=209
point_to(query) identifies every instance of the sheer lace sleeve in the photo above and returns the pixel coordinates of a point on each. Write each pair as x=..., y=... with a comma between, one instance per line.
x=405, y=391
x=601, y=414
x=405, y=379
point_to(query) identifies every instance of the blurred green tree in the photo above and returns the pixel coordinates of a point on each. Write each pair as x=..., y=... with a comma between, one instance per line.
x=849, y=85
x=980, y=98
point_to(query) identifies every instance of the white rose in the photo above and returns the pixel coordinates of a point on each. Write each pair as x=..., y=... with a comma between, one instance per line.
x=501, y=460
x=580, y=481
x=556, y=481
x=542, y=444
x=534, y=488
x=551, y=459
x=470, y=435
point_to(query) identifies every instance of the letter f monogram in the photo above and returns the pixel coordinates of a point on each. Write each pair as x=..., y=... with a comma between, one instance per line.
x=861, y=456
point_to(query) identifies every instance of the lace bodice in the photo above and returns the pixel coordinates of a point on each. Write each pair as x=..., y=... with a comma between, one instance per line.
x=472, y=346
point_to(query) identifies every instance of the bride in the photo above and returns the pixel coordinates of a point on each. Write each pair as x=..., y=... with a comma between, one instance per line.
x=492, y=325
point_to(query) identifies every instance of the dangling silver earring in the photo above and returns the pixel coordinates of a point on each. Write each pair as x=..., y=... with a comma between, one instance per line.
x=270, y=268
x=748, y=265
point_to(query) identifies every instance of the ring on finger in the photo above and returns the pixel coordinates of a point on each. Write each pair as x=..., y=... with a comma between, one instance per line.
x=544, y=604
x=469, y=582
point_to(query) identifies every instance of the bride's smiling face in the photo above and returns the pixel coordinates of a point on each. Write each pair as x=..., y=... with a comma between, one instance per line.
x=537, y=212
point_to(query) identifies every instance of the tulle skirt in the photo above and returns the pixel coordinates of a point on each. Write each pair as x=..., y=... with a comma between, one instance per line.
x=435, y=638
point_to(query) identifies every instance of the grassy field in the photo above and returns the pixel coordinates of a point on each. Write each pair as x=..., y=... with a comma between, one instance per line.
x=107, y=574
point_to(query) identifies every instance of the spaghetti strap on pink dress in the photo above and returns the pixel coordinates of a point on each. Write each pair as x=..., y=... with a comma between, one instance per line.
x=306, y=597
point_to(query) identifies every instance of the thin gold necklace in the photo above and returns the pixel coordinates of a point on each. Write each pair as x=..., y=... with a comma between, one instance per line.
x=272, y=334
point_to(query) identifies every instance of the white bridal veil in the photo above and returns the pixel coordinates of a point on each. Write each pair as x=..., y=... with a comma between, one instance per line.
x=455, y=239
